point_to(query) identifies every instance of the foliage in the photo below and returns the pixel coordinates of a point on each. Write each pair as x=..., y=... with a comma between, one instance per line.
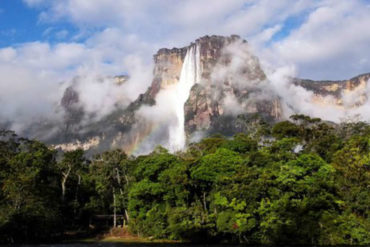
x=303, y=181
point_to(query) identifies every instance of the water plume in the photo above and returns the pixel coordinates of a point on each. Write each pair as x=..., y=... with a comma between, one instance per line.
x=190, y=74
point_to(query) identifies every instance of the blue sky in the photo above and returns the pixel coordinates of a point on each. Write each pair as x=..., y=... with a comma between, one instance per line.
x=19, y=24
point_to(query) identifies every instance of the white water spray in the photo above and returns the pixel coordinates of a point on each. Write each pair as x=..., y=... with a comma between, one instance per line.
x=190, y=74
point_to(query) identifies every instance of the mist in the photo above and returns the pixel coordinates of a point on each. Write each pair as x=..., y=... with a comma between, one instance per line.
x=38, y=111
x=34, y=77
x=239, y=72
x=296, y=99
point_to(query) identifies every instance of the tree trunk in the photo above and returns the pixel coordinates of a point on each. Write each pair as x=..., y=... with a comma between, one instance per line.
x=121, y=191
x=204, y=202
x=126, y=178
x=76, y=194
x=118, y=176
x=64, y=181
x=127, y=216
x=114, y=210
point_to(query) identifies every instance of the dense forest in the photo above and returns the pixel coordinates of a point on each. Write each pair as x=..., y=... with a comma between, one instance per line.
x=302, y=181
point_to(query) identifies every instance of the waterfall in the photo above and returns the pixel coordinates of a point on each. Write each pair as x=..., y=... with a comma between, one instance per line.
x=190, y=74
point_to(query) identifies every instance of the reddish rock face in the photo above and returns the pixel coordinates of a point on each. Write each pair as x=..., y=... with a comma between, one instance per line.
x=333, y=88
x=339, y=90
x=167, y=69
x=232, y=89
x=224, y=81
x=229, y=73
x=222, y=78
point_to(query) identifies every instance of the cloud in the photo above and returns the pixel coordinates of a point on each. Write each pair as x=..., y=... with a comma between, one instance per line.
x=296, y=99
x=231, y=105
x=162, y=120
x=61, y=34
x=21, y=101
x=260, y=14
x=34, y=76
x=34, y=3
x=265, y=35
x=327, y=32
x=330, y=44
x=115, y=37
x=176, y=20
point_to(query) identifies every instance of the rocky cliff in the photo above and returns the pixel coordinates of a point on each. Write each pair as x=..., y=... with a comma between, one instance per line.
x=214, y=85
x=232, y=84
x=346, y=93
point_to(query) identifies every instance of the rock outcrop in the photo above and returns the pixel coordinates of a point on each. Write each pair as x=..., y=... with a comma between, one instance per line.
x=231, y=78
x=228, y=80
x=346, y=93
x=228, y=89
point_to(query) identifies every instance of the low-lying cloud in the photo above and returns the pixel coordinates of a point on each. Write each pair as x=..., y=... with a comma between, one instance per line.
x=35, y=75
x=296, y=99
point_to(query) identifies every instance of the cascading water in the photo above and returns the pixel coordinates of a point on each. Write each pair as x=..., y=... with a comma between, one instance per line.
x=190, y=74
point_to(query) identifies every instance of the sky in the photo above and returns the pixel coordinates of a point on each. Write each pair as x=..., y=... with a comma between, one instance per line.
x=324, y=39
x=46, y=42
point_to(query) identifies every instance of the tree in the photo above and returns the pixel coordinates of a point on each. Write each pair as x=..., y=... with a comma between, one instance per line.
x=241, y=143
x=295, y=210
x=286, y=129
x=110, y=176
x=30, y=205
x=71, y=165
x=146, y=197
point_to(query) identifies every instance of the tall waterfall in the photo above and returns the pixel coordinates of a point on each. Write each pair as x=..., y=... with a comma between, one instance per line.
x=190, y=74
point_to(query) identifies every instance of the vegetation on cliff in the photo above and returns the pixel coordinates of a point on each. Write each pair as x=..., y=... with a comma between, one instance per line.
x=302, y=181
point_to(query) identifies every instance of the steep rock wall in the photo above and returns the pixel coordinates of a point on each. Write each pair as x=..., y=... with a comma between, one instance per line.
x=346, y=94
x=228, y=89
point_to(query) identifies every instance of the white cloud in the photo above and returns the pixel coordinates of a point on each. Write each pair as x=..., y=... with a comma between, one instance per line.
x=7, y=54
x=333, y=27
x=192, y=13
x=62, y=34
x=174, y=22
x=296, y=99
x=232, y=106
x=34, y=2
x=263, y=13
x=330, y=43
x=32, y=73
x=120, y=36
x=265, y=35
x=21, y=100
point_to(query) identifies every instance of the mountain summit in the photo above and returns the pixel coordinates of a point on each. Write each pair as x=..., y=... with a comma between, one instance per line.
x=214, y=85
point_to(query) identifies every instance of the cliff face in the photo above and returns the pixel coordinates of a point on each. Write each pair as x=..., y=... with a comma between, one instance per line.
x=346, y=93
x=168, y=65
x=222, y=78
x=214, y=85
x=230, y=77
x=231, y=80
